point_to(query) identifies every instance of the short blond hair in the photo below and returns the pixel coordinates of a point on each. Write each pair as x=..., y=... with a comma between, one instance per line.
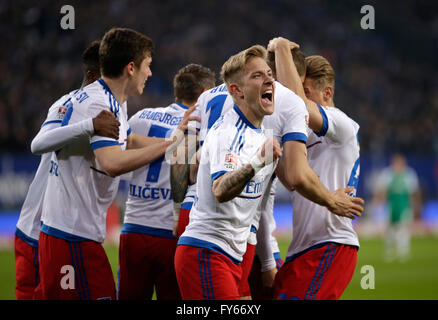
x=232, y=69
x=320, y=71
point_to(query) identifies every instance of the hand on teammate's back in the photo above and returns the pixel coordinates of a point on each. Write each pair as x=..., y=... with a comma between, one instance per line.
x=106, y=125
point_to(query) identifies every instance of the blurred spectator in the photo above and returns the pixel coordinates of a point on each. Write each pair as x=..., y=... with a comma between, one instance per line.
x=386, y=77
x=398, y=186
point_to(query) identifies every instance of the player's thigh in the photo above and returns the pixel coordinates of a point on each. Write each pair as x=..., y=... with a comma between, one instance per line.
x=246, y=265
x=94, y=274
x=26, y=269
x=321, y=273
x=203, y=274
x=164, y=264
x=136, y=275
x=57, y=268
x=338, y=273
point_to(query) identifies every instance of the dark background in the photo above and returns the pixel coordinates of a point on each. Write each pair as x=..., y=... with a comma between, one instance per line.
x=386, y=79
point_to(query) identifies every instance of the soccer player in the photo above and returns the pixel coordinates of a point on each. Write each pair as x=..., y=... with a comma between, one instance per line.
x=147, y=246
x=236, y=163
x=28, y=225
x=398, y=186
x=322, y=255
x=84, y=175
x=289, y=126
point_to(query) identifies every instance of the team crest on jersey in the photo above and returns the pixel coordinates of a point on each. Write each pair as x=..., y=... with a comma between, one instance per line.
x=61, y=112
x=231, y=161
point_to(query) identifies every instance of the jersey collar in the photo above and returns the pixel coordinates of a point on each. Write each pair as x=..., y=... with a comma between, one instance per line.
x=244, y=119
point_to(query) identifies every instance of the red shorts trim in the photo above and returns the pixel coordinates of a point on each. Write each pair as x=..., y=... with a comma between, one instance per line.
x=322, y=273
x=26, y=269
x=146, y=262
x=248, y=258
x=74, y=270
x=204, y=274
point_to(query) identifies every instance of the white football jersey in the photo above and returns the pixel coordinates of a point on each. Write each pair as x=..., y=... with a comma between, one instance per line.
x=29, y=222
x=79, y=192
x=334, y=156
x=149, y=207
x=225, y=227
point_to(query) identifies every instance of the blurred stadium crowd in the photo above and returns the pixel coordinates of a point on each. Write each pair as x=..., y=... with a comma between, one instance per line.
x=386, y=78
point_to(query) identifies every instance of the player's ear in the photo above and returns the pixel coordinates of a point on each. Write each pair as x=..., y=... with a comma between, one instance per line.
x=235, y=90
x=327, y=93
x=130, y=67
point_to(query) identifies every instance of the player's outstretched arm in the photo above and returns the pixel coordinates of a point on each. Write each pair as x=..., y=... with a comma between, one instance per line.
x=116, y=161
x=51, y=137
x=137, y=141
x=287, y=75
x=298, y=175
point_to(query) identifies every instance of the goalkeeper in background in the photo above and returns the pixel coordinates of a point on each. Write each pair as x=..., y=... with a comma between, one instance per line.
x=398, y=186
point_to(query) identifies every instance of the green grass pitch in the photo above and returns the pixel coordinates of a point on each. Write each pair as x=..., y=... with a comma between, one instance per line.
x=414, y=279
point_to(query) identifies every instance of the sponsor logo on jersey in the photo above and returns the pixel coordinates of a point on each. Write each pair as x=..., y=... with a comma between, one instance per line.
x=61, y=112
x=231, y=161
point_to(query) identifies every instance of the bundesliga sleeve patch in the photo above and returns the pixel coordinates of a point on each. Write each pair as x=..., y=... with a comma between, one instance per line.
x=61, y=112
x=231, y=161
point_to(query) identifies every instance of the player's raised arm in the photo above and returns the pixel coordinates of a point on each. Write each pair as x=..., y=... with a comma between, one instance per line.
x=287, y=74
x=116, y=161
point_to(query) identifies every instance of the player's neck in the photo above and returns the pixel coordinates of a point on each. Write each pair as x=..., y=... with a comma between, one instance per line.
x=186, y=103
x=118, y=88
x=326, y=103
x=255, y=119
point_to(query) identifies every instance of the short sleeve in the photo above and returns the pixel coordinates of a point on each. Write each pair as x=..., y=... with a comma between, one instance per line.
x=57, y=111
x=96, y=142
x=337, y=126
x=290, y=123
